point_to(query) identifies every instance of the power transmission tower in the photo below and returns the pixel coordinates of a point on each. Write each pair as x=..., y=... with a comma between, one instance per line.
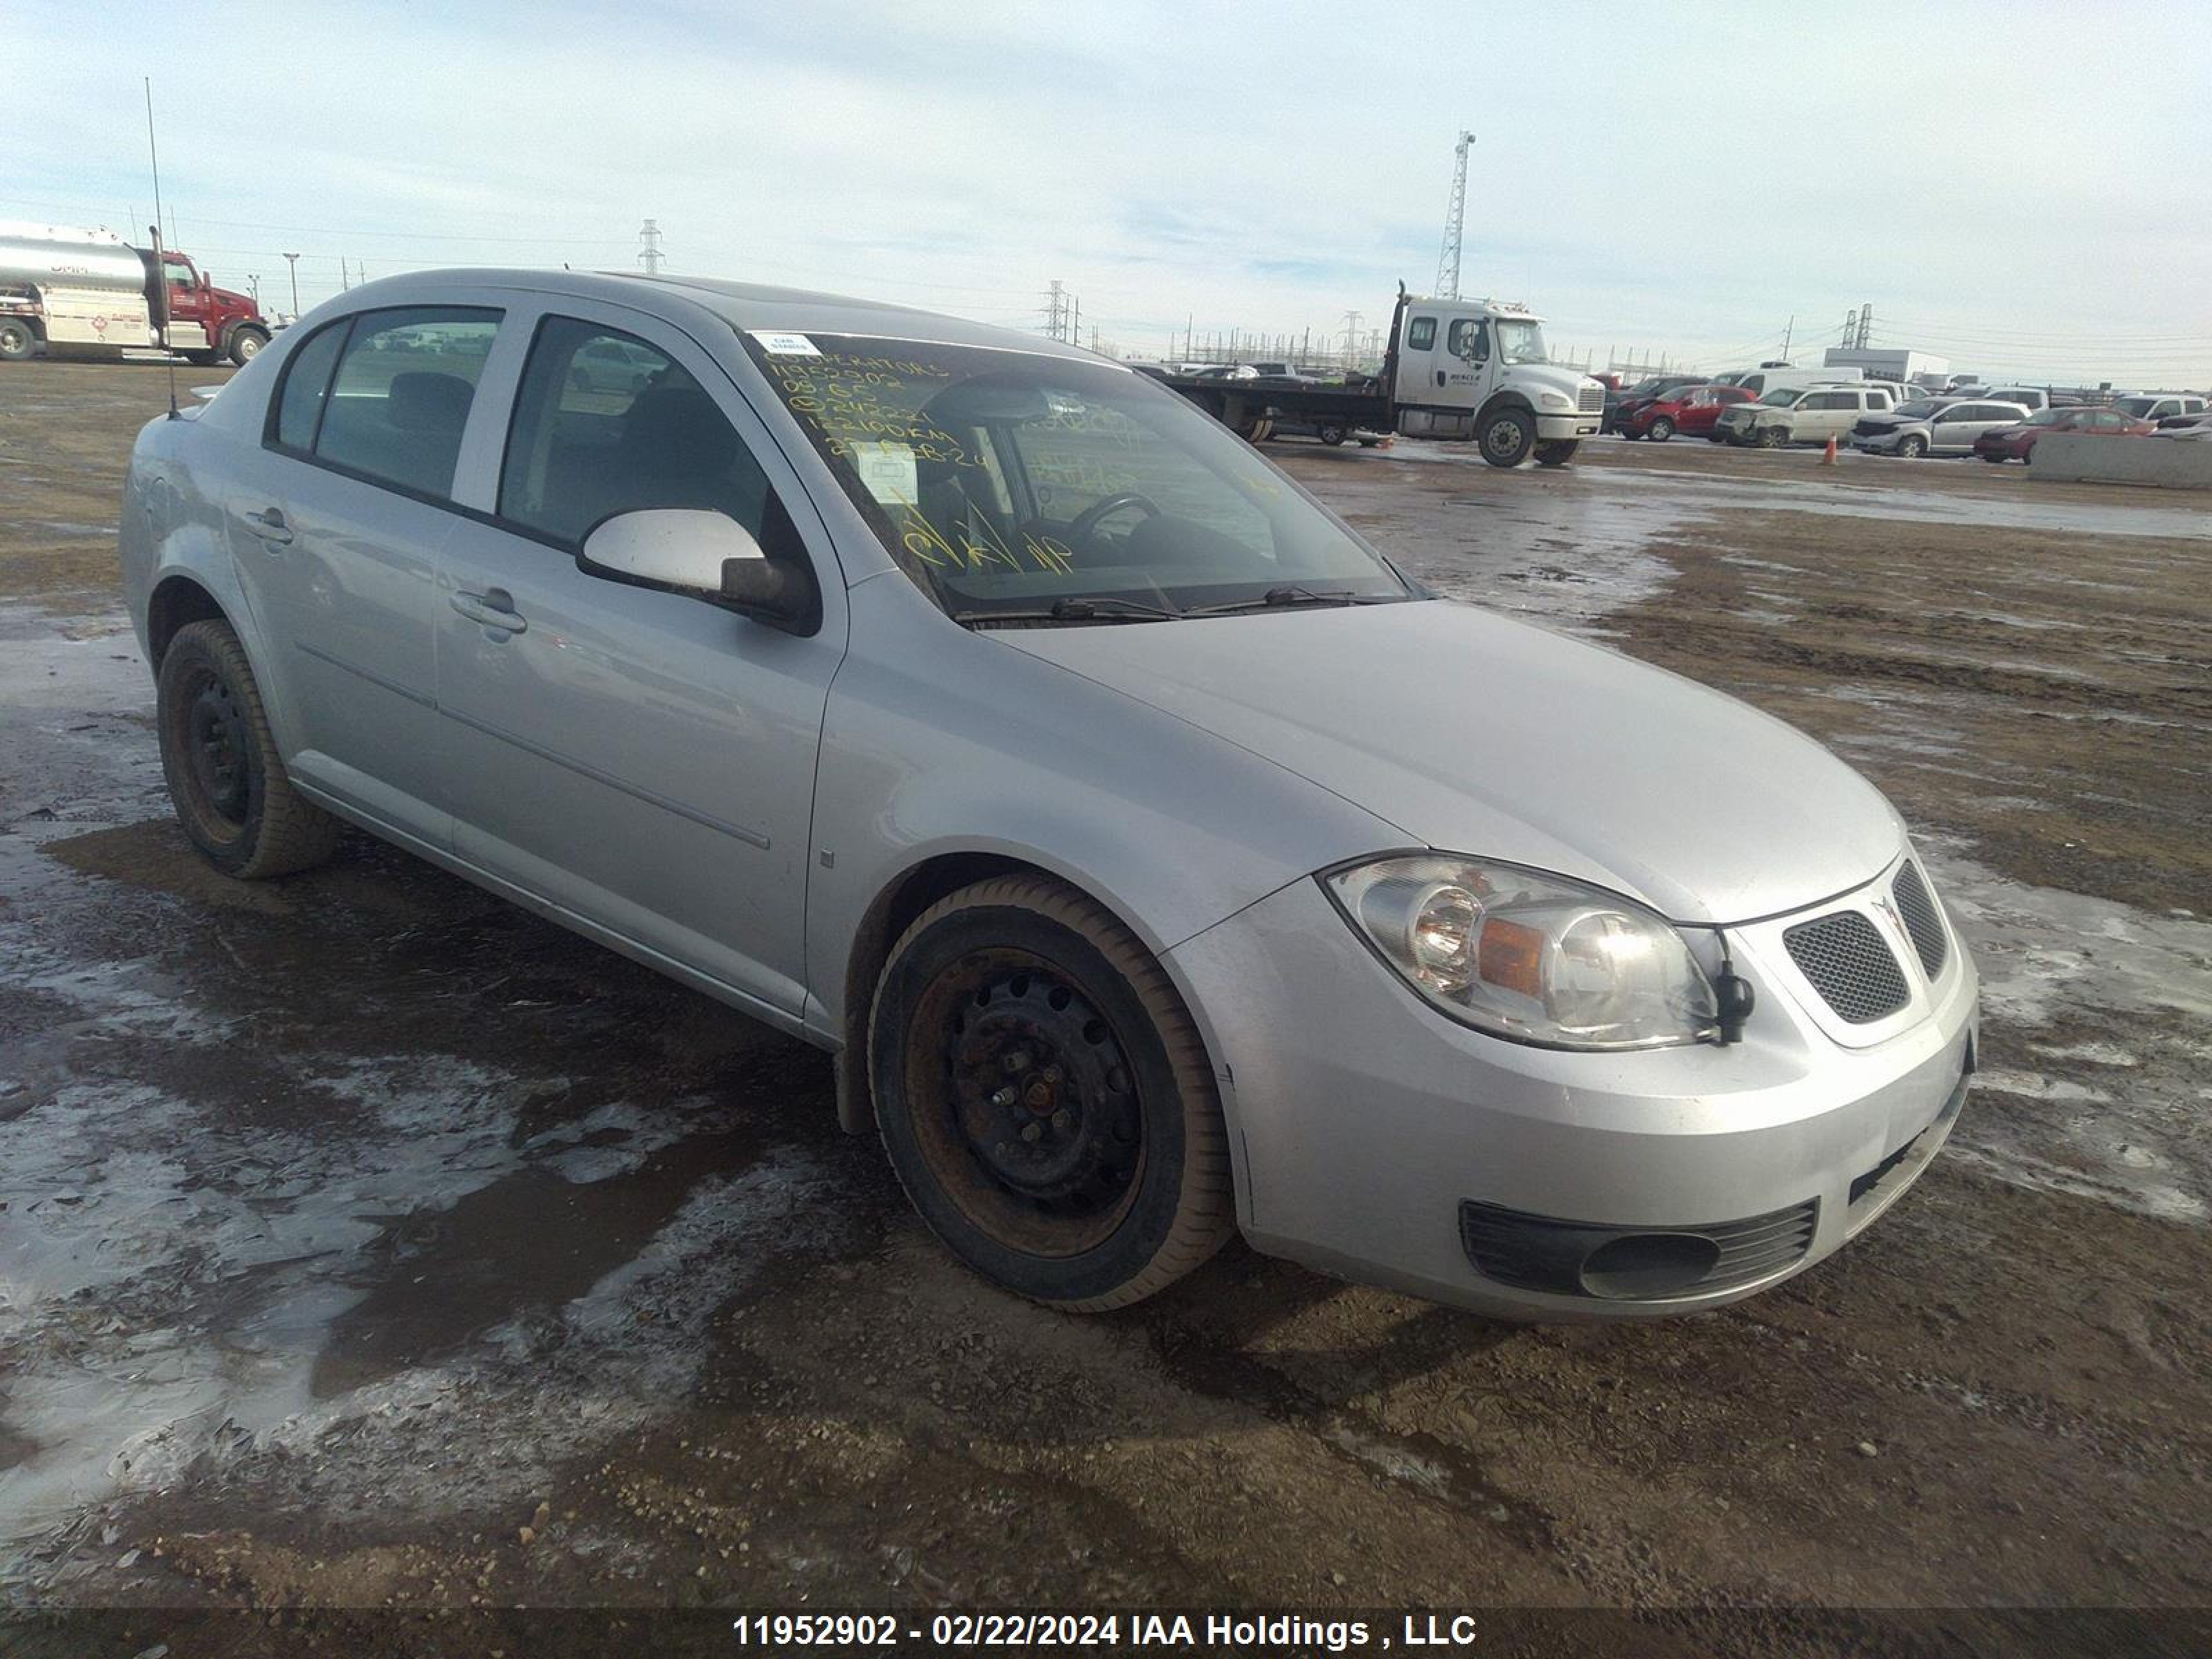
x=1455, y=217
x=1055, y=311
x=1866, y=324
x=1850, y=329
x=1351, y=337
x=648, y=243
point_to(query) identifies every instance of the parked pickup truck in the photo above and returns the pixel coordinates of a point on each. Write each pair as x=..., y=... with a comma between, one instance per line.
x=1456, y=369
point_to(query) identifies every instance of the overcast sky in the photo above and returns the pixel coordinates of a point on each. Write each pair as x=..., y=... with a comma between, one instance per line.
x=2020, y=186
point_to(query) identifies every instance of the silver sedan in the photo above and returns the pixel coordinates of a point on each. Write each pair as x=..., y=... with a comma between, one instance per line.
x=1155, y=859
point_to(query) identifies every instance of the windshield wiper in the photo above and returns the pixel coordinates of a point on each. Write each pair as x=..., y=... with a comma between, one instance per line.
x=1280, y=598
x=1101, y=608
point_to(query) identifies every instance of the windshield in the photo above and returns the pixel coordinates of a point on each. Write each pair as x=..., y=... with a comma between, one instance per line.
x=1005, y=481
x=1781, y=397
x=2137, y=407
x=1519, y=342
x=1920, y=407
x=2048, y=417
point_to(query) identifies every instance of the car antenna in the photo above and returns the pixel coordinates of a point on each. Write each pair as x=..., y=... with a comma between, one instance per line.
x=160, y=269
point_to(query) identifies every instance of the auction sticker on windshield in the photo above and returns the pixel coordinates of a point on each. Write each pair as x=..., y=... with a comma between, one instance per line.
x=785, y=345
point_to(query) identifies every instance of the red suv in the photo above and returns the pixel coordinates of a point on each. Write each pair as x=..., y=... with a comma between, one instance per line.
x=2014, y=443
x=1688, y=409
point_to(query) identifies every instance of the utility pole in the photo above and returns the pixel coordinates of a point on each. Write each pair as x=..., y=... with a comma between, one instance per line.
x=253, y=286
x=1787, y=335
x=649, y=252
x=294, y=260
x=343, y=284
x=1074, y=321
x=1455, y=217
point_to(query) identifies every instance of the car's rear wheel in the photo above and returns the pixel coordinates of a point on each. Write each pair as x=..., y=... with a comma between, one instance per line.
x=1332, y=433
x=1045, y=1098
x=225, y=775
x=1912, y=447
x=1994, y=460
x=1661, y=430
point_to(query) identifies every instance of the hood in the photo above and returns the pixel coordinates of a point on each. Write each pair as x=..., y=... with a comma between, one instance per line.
x=1475, y=734
x=233, y=300
x=1550, y=377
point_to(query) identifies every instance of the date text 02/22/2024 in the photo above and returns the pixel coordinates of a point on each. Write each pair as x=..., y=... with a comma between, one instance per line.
x=1247, y=1633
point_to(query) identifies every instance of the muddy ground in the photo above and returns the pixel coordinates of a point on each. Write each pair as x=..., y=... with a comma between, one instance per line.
x=366, y=1241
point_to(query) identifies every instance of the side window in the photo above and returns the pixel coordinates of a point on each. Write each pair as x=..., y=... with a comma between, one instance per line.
x=1421, y=334
x=1830, y=400
x=306, y=383
x=606, y=424
x=402, y=393
x=1470, y=339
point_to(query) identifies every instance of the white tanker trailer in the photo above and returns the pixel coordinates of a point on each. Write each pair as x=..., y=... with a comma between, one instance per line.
x=89, y=293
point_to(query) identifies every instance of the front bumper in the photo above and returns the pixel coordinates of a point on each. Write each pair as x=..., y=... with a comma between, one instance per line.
x=1552, y=428
x=1366, y=1122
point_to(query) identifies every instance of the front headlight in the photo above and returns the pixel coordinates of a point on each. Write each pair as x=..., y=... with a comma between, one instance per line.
x=1555, y=400
x=1536, y=957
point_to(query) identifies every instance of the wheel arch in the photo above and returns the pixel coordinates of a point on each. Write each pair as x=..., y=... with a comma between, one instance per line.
x=179, y=599
x=1505, y=397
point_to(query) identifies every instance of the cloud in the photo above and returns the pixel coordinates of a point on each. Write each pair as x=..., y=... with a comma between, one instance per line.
x=1676, y=179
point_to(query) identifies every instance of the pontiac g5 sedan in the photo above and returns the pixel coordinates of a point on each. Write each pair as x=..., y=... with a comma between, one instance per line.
x=1155, y=859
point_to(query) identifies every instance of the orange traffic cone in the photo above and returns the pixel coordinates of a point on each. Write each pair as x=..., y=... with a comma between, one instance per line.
x=1828, y=455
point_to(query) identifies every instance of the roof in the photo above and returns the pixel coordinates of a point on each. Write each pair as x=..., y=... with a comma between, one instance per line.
x=749, y=306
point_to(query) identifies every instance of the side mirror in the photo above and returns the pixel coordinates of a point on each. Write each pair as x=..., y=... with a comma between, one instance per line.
x=709, y=555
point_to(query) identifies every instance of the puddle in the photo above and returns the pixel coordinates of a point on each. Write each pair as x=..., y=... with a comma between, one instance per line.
x=2120, y=1119
x=1795, y=494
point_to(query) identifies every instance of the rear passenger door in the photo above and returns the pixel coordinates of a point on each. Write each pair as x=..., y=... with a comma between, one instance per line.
x=335, y=523
x=642, y=759
x=1824, y=415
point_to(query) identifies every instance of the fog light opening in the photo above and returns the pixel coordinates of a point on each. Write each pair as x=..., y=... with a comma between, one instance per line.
x=1643, y=1266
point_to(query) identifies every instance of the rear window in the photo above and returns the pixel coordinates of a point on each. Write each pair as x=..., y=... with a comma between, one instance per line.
x=306, y=382
x=400, y=400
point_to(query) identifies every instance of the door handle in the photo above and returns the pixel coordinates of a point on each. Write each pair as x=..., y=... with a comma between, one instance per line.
x=1440, y=377
x=493, y=608
x=269, y=525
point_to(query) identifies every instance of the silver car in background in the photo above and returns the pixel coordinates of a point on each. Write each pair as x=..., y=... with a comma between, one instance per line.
x=1154, y=857
x=1934, y=426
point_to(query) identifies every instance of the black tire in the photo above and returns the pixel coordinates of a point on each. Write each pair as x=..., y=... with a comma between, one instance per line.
x=245, y=343
x=203, y=359
x=1555, y=451
x=225, y=776
x=1124, y=1185
x=1717, y=436
x=1771, y=437
x=1631, y=434
x=1912, y=447
x=1507, y=437
x=1994, y=460
x=19, y=341
x=1332, y=433
x=1661, y=430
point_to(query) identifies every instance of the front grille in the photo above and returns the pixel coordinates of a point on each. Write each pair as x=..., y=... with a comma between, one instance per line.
x=1917, y=905
x=1849, y=965
x=1589, y=400
x=1544, y=1253
x=1873, y=428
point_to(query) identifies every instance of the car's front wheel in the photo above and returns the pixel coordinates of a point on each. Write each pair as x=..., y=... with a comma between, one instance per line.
x=1045, y=1098
x=1912, y=447
x=1772, y=437
x=225, y=775
x=1661, y=430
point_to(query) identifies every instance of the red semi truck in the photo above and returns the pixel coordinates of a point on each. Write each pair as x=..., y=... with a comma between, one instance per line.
x=89, y=293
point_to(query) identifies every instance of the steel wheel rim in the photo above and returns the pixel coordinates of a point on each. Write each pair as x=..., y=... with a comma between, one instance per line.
x=1025, y=1102
x=216, y=751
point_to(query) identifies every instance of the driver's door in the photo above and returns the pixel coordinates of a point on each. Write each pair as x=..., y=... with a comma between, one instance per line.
x=639, y=759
